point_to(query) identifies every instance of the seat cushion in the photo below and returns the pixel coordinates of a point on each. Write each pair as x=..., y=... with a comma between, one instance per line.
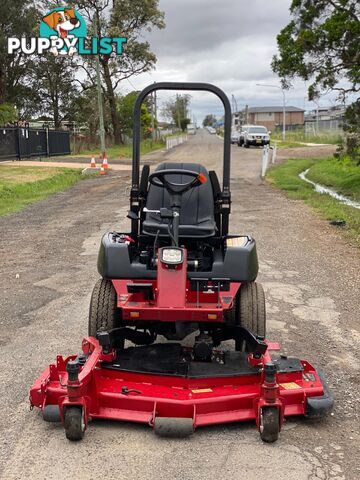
x=197, y=205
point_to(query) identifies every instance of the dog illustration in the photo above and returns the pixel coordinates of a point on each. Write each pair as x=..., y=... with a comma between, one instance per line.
x=63, y=21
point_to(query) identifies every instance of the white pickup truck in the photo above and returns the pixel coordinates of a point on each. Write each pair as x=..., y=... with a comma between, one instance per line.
x=256, y=135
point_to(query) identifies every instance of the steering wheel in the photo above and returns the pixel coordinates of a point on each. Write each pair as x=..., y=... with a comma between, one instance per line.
x=158, y=179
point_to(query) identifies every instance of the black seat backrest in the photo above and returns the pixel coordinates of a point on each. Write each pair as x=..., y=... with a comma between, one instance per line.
x=197, y=204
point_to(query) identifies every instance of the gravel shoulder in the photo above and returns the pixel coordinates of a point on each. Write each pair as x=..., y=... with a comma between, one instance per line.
x=312, y=284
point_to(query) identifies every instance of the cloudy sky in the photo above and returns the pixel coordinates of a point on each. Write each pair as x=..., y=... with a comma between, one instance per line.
x=226, y=42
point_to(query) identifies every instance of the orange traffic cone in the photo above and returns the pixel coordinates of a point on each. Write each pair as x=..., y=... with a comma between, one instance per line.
x=93, y=163
x=105, y=162
x=102, y=170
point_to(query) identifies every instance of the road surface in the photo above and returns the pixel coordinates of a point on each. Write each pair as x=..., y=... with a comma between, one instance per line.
x=311, y=278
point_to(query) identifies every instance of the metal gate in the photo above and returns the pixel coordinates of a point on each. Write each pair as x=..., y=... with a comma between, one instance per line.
x=20, y=142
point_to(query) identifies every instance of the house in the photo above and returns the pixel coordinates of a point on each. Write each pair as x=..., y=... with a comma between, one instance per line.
x=272, y=117
x=325, y=118
x=335, y=112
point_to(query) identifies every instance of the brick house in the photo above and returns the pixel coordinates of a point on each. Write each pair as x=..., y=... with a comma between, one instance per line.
x=272, y=117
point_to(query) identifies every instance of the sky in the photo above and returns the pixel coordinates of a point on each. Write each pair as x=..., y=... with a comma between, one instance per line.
x=226, y=42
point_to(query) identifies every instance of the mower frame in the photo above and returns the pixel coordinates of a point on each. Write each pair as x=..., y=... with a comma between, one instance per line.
x=178, y=389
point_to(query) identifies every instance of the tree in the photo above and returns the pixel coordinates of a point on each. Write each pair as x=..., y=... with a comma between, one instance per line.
x=209, y=120
x=125, y=107
x=321, y=45
x=85, y=112
x=176, y=109
x=126, y=18
x=8, y=113
x=54, y=86
x=184, y=122
x=14, y=68
x=352, y=129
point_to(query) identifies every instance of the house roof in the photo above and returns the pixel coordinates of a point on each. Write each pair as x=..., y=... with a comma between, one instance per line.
x=274, y=109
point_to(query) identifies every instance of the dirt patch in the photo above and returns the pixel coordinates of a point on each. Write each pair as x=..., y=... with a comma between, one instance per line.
x=305, y=152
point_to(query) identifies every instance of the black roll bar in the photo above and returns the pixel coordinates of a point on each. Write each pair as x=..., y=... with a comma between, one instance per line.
x=225, y=201
x=181, y=86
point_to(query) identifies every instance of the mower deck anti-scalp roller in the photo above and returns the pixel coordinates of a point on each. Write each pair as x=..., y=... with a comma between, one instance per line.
x=179, y=272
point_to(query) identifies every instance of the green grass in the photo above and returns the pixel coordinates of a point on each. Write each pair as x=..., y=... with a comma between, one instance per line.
x=342, y=176
x=332, y=137
x=20, y=186
x=125, y=151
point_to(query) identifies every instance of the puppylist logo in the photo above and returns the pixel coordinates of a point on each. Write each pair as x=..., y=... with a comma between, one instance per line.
x=63, y=32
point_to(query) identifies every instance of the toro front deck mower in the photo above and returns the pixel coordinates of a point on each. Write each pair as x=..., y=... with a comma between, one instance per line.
x=178, y=272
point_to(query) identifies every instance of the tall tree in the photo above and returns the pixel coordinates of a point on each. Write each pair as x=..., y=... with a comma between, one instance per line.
x=321, y=45
x=53, y=86
x=176, y=109
x=84, y=111
x=17, y=18
x=209, y=120
x=125, y=18
x=125, y=105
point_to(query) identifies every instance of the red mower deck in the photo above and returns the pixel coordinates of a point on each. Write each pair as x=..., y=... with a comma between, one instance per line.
x=96, y=385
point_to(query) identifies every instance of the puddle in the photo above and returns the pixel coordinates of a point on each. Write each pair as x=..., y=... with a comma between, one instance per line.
x=329, y=191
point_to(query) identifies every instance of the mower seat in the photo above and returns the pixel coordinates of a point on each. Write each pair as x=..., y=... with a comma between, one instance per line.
x=197, y=208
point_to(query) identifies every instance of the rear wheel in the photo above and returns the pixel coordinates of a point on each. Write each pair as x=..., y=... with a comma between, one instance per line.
x=251, y=309
x=104, y=313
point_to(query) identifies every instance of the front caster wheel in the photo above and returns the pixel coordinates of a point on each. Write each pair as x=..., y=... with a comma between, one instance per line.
x=74, y=423
x=269, y=424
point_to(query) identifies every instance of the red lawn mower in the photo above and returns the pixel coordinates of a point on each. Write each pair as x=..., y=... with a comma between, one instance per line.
x=178, y=274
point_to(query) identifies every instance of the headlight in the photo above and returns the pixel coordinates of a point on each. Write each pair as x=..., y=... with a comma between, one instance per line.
x=172, y=256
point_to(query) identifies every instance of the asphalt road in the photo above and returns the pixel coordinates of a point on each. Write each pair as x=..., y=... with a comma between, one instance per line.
x=311, y=278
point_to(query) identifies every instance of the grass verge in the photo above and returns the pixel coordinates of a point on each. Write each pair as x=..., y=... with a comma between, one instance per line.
x=298, y=137
x=125, y=151
x=343, y=177
x=20, y=186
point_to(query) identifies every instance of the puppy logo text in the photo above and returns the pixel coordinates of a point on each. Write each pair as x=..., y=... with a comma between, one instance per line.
x=63, y=32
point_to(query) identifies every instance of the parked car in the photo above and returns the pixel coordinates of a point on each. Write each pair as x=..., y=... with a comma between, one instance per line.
x=211, y=129
x=235, y=134
x=256, y=135
x=191, y=129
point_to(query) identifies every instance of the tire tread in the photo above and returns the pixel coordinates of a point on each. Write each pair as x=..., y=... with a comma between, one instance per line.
x=252, y=311
x=103, y=313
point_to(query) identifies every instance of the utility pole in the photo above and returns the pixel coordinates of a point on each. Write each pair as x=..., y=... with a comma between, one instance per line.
x=178, y=110
x=155, y=115
x=284, y=116
x=152, y=117
x=154, y=135
x=99, y=92
x=235, y=105
x=317, y=116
